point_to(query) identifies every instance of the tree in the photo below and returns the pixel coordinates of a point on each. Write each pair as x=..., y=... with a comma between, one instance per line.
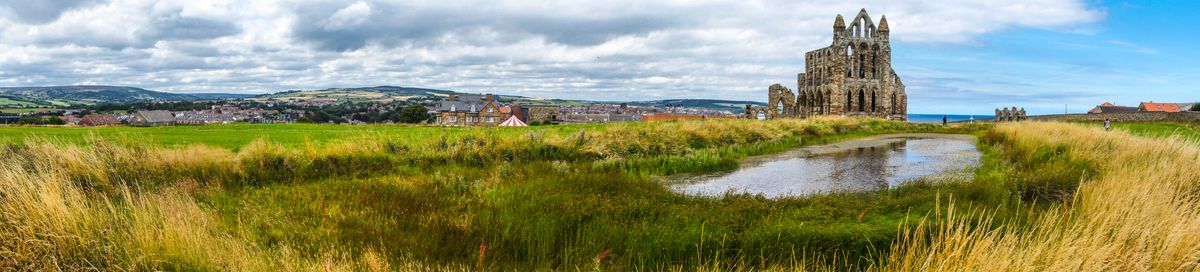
x=30, y=120
x=414, y=113
x=54, y=120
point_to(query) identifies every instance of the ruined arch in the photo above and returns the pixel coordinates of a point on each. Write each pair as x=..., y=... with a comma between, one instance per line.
x=875, y=61
x=821, y=102
x=861, y=103
x=781, y=102
x=849, y=100
x=893, y=103
x=874, y=107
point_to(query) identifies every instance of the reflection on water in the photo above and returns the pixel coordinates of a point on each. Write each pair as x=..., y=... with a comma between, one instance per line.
x=871, y=164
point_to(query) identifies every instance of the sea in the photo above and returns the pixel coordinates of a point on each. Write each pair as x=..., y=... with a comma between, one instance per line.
x=937, y=118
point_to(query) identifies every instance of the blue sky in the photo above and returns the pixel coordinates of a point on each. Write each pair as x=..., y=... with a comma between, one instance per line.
x=956, y=56
x=1138, y=52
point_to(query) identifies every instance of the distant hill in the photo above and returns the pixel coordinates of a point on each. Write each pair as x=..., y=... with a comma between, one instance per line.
x=56, y=96
x=713, y=104
x=392, y=93
x=362, y=94
x=64, y=96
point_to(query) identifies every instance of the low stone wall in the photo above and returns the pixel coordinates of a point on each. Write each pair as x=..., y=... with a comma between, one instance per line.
x=1190, y=116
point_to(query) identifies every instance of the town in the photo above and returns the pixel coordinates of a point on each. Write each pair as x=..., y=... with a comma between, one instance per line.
x=451, y=110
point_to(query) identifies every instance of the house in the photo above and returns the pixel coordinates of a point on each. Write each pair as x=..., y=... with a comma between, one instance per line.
x=205, y=118
x=470, y=110
x=92, y=120
x=1158, y=107
x=70, y=119
x=670, y=117
x=1108, y=107
x=152, y=118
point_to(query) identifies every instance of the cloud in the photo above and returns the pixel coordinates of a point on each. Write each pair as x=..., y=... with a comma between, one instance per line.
x=351, y=16
x=609, y=50
x=40, y=12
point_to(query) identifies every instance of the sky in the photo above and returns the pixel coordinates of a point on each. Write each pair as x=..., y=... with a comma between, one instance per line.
x=956, y=57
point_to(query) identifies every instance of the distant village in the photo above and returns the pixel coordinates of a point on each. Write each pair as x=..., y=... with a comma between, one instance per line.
x=452, y=110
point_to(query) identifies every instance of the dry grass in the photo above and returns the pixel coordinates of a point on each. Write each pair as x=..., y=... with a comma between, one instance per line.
x=53, y=218
x=1140, y=214
x=106, y=206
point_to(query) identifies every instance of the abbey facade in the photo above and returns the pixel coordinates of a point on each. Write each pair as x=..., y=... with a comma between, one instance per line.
x=852, y=77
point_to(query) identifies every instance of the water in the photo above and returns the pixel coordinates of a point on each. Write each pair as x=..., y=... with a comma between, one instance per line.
x=858, y=165
x=937, y=118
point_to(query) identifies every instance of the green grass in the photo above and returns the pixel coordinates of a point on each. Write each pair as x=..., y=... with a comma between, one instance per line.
x=1189, y=131
x=21, y=110
x=234, y=136
x=5, y=102
x=537, y=198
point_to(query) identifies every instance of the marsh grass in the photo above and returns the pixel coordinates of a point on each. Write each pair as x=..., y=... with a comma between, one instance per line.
x=1137, y=212
x=539, y=199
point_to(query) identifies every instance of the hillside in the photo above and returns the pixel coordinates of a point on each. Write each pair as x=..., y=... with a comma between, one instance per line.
x=392, y=94
x=66, y=96
x=62, y=96
x=726, y=105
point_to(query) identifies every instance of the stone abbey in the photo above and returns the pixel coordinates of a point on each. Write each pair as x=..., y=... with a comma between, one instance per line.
x=851, y=77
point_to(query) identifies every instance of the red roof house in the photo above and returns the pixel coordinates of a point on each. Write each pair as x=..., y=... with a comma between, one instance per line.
x=1158, y=107
x=98, y=120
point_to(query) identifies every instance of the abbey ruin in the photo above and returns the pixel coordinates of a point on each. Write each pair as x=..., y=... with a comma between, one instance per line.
x=851, y=77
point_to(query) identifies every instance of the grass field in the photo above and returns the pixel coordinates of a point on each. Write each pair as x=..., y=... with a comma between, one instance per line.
x=21, y=110
x=234, y=136
x=1188, y=131
x=321, y=197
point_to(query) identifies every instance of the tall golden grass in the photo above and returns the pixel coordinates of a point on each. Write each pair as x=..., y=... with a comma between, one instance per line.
x=53, y=219
x=1141, y=213
x=114, y=206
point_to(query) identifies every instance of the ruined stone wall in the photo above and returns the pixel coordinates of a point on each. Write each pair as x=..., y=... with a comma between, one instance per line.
x=853, y=76
x=1122, y=117
x=781, y=102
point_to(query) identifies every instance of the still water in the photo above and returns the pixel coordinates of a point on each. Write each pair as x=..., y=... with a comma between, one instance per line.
x=857, y=165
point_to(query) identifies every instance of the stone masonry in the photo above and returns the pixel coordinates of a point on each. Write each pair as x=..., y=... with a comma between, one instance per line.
x=852, y=77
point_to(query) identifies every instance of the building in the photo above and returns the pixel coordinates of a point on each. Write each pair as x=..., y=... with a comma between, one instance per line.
x=1108, y=107
x=672, y=117
x=205, y=118
x=470, y=110
x=585, y=118
x=152, y=118
x=852, y=77
x=1158, y=107
x=92, y=120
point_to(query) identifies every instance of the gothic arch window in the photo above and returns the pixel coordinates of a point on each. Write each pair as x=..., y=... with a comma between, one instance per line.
x=862, y=105
x=825, y=102
x=849, y=101
x=821, y=104
x=802, y=102
x=861, y=62
x=874, y=107
x=893, y=103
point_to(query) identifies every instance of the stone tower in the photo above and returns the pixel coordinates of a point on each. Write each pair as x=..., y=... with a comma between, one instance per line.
x=852, y=77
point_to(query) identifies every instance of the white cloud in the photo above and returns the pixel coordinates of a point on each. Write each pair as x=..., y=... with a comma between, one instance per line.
x=620, y=49
x=351, y=16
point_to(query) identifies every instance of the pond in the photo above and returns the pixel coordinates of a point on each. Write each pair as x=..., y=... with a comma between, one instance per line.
x=867, y=164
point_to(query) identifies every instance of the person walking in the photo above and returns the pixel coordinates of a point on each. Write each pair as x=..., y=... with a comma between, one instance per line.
x=1107, y=124
x=944, y=119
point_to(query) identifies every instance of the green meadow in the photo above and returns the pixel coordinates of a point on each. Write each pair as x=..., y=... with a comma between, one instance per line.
x=234, y=136
x=549, y=198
